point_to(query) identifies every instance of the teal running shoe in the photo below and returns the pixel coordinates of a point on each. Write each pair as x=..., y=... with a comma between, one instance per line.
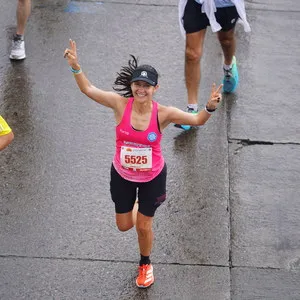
x=231, y=78
x=187, y=127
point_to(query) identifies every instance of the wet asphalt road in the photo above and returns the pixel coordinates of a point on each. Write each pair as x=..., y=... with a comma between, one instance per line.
x=230, y=226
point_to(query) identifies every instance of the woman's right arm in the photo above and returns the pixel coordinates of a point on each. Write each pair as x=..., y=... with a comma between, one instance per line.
x=109, y=99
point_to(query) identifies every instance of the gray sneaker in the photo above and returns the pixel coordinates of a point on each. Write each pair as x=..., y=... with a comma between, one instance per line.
x=17, y=49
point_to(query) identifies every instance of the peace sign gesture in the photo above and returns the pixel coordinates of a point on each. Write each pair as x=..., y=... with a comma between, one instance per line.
x=71, y=55
x=215, y=97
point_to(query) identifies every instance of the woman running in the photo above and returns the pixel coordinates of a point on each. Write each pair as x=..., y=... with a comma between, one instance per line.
x=138, y=169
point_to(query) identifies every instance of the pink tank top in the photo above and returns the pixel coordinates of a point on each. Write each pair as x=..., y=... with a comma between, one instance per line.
x=138, y=154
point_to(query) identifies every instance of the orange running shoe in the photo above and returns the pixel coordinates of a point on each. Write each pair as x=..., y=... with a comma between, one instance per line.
x=145, y=277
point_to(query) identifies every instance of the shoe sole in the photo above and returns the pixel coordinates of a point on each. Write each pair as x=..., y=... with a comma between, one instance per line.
x=142, y=286
x=230, y=91
x=17, y=57
x=183, y=127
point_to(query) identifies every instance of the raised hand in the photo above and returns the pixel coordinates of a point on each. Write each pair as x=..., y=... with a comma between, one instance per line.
x=215, y=97
x=71, y=55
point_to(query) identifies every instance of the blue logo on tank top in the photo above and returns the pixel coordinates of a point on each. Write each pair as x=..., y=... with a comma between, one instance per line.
x=152, y=136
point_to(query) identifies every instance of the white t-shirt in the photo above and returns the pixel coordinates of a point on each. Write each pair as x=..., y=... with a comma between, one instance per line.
x=221, y=3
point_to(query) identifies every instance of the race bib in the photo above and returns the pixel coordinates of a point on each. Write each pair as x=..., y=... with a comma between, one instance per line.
x=136, y=159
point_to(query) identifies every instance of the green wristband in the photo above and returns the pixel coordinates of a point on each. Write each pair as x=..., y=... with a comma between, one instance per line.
x=75, y=71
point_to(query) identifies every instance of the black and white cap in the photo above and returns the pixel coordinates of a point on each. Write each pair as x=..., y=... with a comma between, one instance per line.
x=145, y=73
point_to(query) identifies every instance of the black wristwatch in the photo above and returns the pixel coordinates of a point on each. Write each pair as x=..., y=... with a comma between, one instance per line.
x=209, y=110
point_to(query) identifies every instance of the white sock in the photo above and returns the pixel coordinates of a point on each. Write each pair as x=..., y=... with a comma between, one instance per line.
x=193, y=106
x=227, y=67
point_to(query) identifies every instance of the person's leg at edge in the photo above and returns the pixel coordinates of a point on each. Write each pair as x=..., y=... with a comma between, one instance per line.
x=23, y=13
x=228, y=43
x=18, y=44
x=193, y=55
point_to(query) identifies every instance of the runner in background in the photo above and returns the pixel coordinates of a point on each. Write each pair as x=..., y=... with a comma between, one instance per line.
x=194, y=17
x=18, y=44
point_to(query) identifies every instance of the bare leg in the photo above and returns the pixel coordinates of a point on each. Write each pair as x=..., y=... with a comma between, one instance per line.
x=23, y=12
x=125, y=221
x=145, y=233
x=143, y=227
x=145, y=238
x=228, y=44
x=193, y=54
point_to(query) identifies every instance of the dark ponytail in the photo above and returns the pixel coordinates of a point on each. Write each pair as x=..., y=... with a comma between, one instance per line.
x=122, y=82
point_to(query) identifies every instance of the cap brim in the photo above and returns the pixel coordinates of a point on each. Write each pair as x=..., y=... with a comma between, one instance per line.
x=144, y=79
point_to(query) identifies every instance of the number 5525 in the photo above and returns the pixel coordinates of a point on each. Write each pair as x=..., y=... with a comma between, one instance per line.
x=133, y=159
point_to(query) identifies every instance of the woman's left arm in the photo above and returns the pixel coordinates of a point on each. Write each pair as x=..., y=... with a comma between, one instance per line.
x=177, y=116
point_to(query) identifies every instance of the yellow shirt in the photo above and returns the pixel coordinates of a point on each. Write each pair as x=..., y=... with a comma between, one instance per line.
x=4, y=128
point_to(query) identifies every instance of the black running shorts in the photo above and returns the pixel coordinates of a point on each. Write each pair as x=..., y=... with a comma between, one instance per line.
x=194, y=20
x=150, y=194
